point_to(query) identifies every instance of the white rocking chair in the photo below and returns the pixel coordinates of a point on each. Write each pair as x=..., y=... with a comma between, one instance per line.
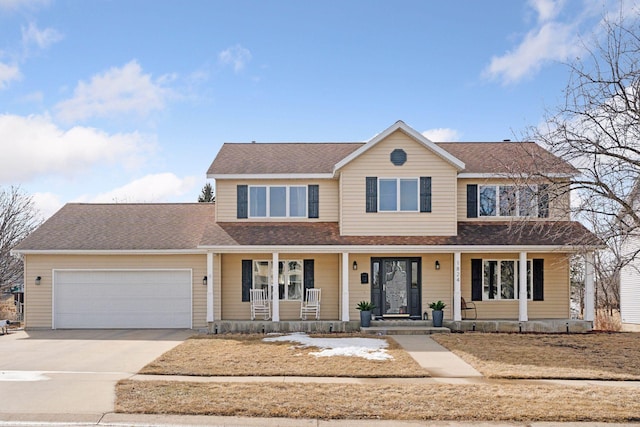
x=260, y=305
x=311, y=304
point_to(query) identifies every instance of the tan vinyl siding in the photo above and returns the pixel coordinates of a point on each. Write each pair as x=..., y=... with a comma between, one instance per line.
x=326, y=277
x=556, y=289
x=558, y=204
x=226, y=199
x=420, y=162
x=38, y=299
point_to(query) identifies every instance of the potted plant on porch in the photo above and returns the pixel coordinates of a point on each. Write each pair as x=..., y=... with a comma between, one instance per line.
x=437, y=313
x=365, y=308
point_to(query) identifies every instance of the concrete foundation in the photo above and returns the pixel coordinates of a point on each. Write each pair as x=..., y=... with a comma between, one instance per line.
x=266, y=326
x=399, y=327
x=542, y=326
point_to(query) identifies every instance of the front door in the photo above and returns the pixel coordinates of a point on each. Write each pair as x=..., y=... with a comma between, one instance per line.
x=396, y=287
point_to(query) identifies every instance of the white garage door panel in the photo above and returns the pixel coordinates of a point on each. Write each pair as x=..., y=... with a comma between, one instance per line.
x=122, y=299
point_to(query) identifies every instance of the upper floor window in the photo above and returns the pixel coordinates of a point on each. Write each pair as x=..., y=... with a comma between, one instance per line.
x=507, y=200
x=398, y=194
x=277, y=201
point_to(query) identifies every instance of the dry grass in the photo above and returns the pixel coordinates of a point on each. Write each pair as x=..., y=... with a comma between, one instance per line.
x=248, y=355
x=485, y=402
x=606, y=321
x=600, y=355
x=614, y=356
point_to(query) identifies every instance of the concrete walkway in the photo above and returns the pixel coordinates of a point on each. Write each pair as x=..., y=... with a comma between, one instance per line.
x=440, y=362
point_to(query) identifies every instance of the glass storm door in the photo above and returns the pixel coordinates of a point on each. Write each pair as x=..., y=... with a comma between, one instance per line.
x=395, y=287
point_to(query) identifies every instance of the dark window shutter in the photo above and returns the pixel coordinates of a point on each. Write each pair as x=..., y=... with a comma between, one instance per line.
x=313, y=201
x=543, y=201
x=425, y=194
x=476, y=279
x=243, y=201
x=372, y=194
x=308, y=274
x=472, y=201
x=247, y=279
x=538, y=280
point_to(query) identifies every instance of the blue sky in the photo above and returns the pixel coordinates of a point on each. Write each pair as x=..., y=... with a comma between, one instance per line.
x=129, y=101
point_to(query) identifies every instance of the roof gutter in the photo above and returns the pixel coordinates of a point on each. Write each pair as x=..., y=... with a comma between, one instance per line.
x=380, y=249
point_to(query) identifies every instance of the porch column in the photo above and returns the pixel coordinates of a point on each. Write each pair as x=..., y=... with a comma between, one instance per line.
x=589, y=289
x=457, y=293
x=275, y=288
x=345, y=287
x=210, y=316
x=522, y=291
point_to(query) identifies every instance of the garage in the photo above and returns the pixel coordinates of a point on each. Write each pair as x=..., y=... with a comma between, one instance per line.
x=122, y=299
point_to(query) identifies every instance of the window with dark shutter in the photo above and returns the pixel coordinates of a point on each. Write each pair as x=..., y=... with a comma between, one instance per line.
x=372, y=194
x=242, y=201
x=476, y=280
x=472, y=201
x=314, y=201
x=247, y=278
x=538, y=279
x=425, y=194
x=543, y=201
x=308, y=274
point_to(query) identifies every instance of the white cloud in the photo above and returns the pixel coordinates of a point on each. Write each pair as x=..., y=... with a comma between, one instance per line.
x=442, y=135
x=8, y=73
x=117, y=91
x=236, y=56
x=47, y=204
x=151, y=188
x=35, y=146
x=546, y=9
x=553, y=41
x=32, y=35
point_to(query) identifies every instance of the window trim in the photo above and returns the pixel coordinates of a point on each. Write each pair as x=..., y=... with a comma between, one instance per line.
x=398, y=181
x=497, y=207
x=287, y=201
x=516, y=285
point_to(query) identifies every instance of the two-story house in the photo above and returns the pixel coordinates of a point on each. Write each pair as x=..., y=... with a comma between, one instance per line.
x=399, y=220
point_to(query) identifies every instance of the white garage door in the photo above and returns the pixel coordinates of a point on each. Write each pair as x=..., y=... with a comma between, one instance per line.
x=122, y=299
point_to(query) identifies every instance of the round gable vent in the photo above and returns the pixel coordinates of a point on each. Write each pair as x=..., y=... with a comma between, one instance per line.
x=398, y=157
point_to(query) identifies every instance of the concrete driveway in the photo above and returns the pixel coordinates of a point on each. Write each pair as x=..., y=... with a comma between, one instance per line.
x=73, y=372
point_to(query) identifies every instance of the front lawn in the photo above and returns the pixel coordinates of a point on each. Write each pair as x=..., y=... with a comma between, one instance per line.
x=602, y=356
x=593, y=356
x=249, y=355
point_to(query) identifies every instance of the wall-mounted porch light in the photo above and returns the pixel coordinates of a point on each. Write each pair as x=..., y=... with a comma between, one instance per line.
x=437, y=265
x=355, y=265
x=204, y=280
x=38, y=280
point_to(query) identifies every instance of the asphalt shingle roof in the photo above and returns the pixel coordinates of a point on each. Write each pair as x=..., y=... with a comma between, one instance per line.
x=542, y=233
x=288, y=158
x=144, y=226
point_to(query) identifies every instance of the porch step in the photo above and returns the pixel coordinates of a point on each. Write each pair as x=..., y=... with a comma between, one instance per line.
x=403, y=327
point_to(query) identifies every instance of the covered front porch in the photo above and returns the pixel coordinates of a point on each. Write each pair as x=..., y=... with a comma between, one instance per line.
x=349, y=277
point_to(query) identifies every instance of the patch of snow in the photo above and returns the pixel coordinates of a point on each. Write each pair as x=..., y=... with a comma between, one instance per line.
x=367, y=348
x=22, y=376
